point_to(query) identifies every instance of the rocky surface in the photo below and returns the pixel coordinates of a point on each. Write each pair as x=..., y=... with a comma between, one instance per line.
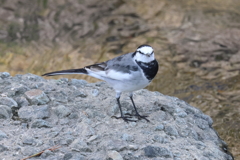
x=75, y=117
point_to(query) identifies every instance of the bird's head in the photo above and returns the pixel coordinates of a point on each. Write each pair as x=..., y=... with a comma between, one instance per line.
x=144, y=53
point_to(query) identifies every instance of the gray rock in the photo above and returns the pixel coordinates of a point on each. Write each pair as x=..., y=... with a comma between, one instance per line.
x=114, y=110
x=37, y=97
x=84, y=128
x=64, y=80
x=78, y=93
x=171, y=130
x=200, y=145
x=92, y=138
x=151, y=151
x=63, y=121
x=3, y=148
x=28, y=141
x=159, y=127
x=203, y=124
x=180, y=113
x=22, y=101
x=19, y=89
x=127, y=137
x=5, y=112
x=207, y=118
x=41, y=112
x=160, y=139
x=67, y=139
x=5, y=75
x=184, y=132
x=75, y=156
x=80, y=146
x=73, y=116
x=67, y=156
x=116, y=145
x=2, y=135
x=39, y=123
x=30, y=150
x=78, y=82
x=24, y=125
x=46, y=154
x=8, y=102
x=133, y=147
x=168, y=108
x=114, y=155
x=32, y=77
x=26, y=113
x=62, y=111
x=59, y=96
x=95, y=92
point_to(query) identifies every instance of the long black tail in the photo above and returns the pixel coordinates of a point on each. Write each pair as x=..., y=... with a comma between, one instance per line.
x=69, y=71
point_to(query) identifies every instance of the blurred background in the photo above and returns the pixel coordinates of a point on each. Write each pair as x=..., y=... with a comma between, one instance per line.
x=196, y=42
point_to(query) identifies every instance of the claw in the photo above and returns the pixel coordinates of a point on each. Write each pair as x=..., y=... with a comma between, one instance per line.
x=126, y=119
x=141, y=117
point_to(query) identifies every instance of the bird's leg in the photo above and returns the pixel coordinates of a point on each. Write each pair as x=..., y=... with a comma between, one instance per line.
x=137, y=114
x=120, y=108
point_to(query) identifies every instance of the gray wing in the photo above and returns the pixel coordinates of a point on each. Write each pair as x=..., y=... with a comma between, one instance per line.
x=119, y=68
x=123, y=64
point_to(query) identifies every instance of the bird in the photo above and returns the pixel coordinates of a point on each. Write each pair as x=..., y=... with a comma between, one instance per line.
x=126, y=73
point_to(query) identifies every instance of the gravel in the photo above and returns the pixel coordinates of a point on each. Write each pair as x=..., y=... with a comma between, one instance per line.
x=75, y=117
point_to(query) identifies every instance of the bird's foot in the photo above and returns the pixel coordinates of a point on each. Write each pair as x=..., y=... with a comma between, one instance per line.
x=142, y=117
x=139, y=116
x=126, y=119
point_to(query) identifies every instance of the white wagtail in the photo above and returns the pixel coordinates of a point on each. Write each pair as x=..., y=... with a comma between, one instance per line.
x=126, y=73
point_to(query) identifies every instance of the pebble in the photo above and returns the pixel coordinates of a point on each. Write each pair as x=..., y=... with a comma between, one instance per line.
x=160, y=139
x=46, y=154
x=92, y=138
x=28, y=141
x=80, y=146
x=3, y=148
x=41, y=111
x=201, y=123
x=5, y=112
x=114, y=155
x=79, y=82
x=95, y=92
x=29, y=150
x=37, y=97
x=26, y=113
x=151, y=151
x=19, y=89
x=8, y=102
x=5, y=75
x=22, y=101
x=62, y=111
x=159, y=127
x=67, y=156
x=78, y=93
x=171, y=130
x=2, y=135
x=133, y=147
x=127, y=137
x=39, y=123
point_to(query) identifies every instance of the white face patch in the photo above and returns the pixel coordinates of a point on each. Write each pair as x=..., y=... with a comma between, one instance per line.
x=144, y=54
x=145, y=50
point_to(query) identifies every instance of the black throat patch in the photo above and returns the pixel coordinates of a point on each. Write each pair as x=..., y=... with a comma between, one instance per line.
x=150, y=69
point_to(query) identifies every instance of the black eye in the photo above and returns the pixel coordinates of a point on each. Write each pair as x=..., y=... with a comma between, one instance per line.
x=140, y=52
